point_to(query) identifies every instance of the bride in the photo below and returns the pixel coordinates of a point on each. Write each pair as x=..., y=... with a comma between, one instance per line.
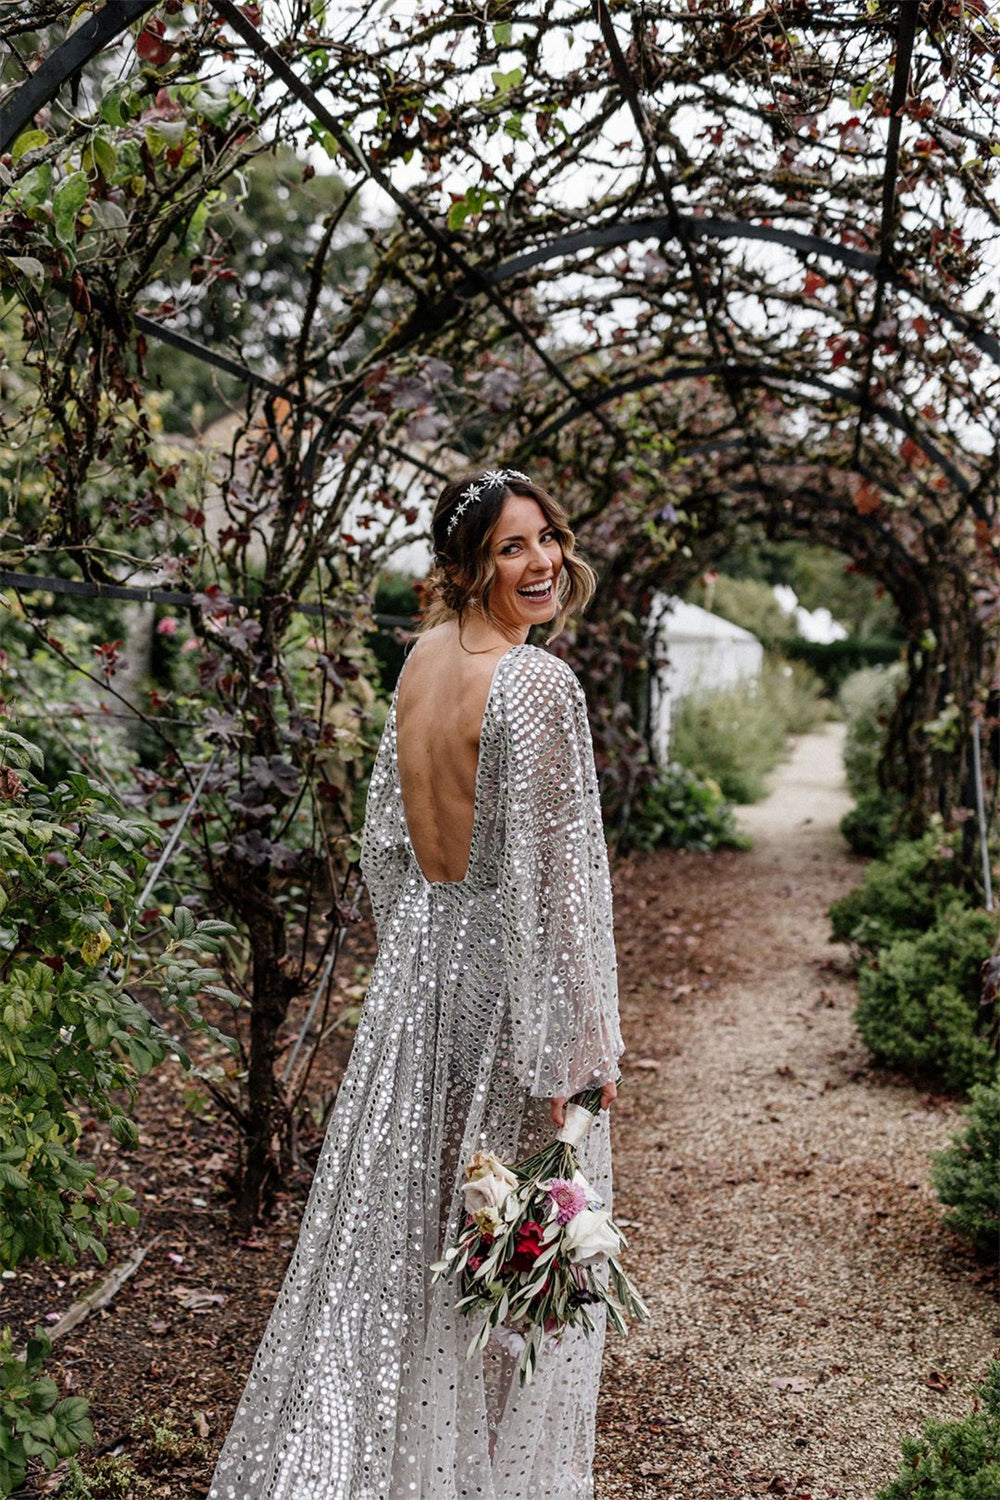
x=492, y=1001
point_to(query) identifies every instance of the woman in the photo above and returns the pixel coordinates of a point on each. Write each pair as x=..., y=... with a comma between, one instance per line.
x=492, y=1001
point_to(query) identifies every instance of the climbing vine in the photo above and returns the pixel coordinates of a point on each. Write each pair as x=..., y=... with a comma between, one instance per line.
x=706, y=270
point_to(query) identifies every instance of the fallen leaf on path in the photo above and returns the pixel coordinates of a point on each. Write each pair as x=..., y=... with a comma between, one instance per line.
x=194, y=1297
x=937, y=1382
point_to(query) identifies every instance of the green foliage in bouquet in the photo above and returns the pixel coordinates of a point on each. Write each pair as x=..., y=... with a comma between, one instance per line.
x=955, y=1460
x=967, y=1173
x=71, y=1031
x=536, y=1251
x=900, y=896
x=34, y=1422
x=680, y=810
x=919, y=1008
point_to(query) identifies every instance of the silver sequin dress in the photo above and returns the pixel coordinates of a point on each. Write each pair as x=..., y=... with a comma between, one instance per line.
x=489, y=996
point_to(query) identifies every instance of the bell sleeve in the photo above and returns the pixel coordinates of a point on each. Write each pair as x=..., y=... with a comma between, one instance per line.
x=555, y=886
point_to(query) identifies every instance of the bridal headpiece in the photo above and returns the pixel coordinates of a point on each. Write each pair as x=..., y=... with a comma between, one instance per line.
x=475, y=491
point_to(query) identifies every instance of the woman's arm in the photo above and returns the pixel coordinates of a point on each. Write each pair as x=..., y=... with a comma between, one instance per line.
x=555, y=887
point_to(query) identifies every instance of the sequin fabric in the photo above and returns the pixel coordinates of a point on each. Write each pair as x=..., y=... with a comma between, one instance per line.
x=489, y=995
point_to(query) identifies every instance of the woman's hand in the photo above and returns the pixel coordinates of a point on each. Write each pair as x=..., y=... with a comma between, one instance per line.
x=557, y=1107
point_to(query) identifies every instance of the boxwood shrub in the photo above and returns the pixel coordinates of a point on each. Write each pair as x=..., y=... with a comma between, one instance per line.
x=955, y=1460
x=919, y=1007
x=967, y=1173
x=900, y=895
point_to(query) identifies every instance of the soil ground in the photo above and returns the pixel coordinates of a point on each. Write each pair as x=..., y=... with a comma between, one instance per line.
x=808, y=1307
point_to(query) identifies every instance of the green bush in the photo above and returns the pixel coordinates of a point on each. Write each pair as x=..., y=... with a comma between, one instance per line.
x=71, y=1033
x=867, y=699
x=732, y=736
x=682, y=811
x=955, y=1460
x=967, y=1173
x=900, y=896
x=919, y=1007
x=870, y=825
x=795, y=693
x=34, y=1422
x=834, y=662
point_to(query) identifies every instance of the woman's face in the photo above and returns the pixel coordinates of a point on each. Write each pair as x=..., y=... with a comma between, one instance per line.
x=528, y=560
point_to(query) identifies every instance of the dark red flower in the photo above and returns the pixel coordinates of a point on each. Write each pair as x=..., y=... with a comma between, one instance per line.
x=528, y=1246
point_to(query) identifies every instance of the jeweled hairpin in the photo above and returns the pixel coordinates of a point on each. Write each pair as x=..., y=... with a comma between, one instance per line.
x=489, y=479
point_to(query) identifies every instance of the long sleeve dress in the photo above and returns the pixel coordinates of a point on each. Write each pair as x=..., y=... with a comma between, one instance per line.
x=489, y=996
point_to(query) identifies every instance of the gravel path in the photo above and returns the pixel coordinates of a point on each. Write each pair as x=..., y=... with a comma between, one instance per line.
x=808, y=1308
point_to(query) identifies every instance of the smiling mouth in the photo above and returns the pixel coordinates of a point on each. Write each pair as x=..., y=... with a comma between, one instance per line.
x=537, y=591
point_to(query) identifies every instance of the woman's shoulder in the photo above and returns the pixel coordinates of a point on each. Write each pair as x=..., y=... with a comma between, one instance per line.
x=532, y=670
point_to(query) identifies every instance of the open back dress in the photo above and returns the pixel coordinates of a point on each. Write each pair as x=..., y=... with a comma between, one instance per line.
x=489, y=996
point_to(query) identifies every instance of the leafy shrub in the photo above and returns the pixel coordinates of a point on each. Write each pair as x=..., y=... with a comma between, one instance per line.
x=955, y=1460
x=967, y=1173
x=794, y=692
x=34, y=1422
x=867, y=699
x=919, y=1005
x=900, y=895
x=870, y=825
x=71, y=1033
x=836, y=661
x=682, y=811
x=732, y=736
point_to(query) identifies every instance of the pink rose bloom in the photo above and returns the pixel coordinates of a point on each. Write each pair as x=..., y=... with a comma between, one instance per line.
x=569, y=1198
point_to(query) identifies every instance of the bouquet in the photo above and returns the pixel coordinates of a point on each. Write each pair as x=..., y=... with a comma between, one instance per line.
x=538, y=1248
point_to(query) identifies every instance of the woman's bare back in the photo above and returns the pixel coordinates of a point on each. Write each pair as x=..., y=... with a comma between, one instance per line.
x=439, y=714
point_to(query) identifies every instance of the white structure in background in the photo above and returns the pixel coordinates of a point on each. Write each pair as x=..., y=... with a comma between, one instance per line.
x=698, y=651
x=812, y=624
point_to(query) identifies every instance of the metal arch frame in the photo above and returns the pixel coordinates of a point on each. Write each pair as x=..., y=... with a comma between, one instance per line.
x=719, y=338
x=714, y=228
x=94, y=34
x=307, y=96
x=906, y=30
x=113, y=20
x=760, y=375
x=70, y=56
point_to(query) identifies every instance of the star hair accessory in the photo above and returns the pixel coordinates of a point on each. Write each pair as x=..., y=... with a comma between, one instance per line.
x=475, y=491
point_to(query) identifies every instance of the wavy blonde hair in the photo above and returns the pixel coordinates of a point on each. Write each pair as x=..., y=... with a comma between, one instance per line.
x=464, y=566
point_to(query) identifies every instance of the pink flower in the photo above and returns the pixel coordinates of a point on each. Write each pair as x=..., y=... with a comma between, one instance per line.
x=568, y=1197
x=167, y=626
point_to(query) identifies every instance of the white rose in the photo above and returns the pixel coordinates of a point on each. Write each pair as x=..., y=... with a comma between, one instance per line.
x=590, y=1237
x=489, y=1183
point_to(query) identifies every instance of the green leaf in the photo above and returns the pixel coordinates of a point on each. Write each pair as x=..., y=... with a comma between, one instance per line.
x=28, y=140
x=67, y=200
x=105, y=156
x=504, y=82
x=502, y=33
x=117, y=104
